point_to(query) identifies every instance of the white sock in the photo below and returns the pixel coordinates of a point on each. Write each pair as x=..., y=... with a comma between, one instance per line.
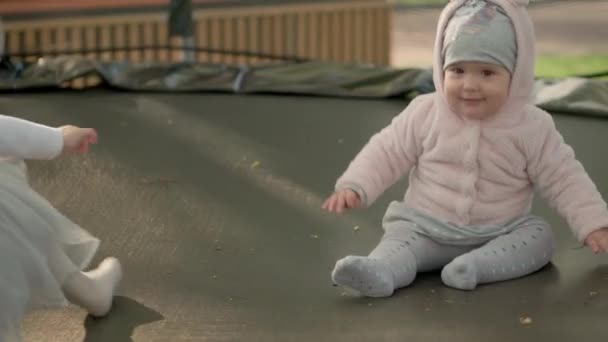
x=94, y=290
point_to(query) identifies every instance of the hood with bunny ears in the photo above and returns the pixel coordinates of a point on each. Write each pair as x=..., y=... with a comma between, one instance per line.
x=522, y=81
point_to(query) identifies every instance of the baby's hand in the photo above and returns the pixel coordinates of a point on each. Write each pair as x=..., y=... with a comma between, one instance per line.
x=76, y=139
x=340, y=200
x=598, y=240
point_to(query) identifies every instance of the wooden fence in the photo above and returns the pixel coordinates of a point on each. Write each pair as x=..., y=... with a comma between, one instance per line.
x=349, y=32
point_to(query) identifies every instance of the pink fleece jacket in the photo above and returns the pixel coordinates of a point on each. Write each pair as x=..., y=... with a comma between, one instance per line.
x=471, y=172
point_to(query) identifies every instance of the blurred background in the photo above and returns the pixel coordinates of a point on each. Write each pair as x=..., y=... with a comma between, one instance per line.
x=400, y=33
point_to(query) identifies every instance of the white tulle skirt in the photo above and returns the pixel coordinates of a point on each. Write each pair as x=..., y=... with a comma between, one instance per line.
x=39, y=249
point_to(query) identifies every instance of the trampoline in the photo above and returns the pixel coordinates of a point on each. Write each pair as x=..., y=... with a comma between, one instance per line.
x=212, y=200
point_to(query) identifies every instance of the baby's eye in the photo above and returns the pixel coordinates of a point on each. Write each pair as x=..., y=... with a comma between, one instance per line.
x=457, y=70
x=488, y=72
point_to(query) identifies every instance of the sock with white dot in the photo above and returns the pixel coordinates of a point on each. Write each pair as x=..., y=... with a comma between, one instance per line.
x=393, y=263
x=389, y=266
x=521, y=252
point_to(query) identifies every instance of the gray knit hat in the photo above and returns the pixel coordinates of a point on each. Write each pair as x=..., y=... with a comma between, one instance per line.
x=480, y=31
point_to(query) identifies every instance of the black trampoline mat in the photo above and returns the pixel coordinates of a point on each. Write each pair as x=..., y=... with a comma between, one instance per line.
x=212, y=202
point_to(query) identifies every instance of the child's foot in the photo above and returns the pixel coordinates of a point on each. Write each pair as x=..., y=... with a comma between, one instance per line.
x=106, y=276
x=370, y=277
x=461, y=273
x=94, y=290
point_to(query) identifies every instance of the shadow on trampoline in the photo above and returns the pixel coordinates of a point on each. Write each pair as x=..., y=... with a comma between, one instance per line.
x=127, y=314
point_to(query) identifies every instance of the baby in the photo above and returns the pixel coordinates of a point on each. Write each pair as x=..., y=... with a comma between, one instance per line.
x=475, y=151
x=42, y=252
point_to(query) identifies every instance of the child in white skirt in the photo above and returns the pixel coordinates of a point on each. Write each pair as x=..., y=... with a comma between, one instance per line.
x=43, y=253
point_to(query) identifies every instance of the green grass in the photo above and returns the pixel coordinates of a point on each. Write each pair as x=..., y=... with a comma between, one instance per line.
x=427, y=2
x=419, y=2
x=561, y=66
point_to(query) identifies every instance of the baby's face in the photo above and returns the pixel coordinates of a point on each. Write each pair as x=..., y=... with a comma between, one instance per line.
x=476, y=90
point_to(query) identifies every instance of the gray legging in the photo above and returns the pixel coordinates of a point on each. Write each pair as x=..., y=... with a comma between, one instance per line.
x=402, y=253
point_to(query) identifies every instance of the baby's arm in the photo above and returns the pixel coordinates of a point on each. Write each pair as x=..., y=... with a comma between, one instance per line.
x=562, y=179
x=387, y=156
x=28, y=140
